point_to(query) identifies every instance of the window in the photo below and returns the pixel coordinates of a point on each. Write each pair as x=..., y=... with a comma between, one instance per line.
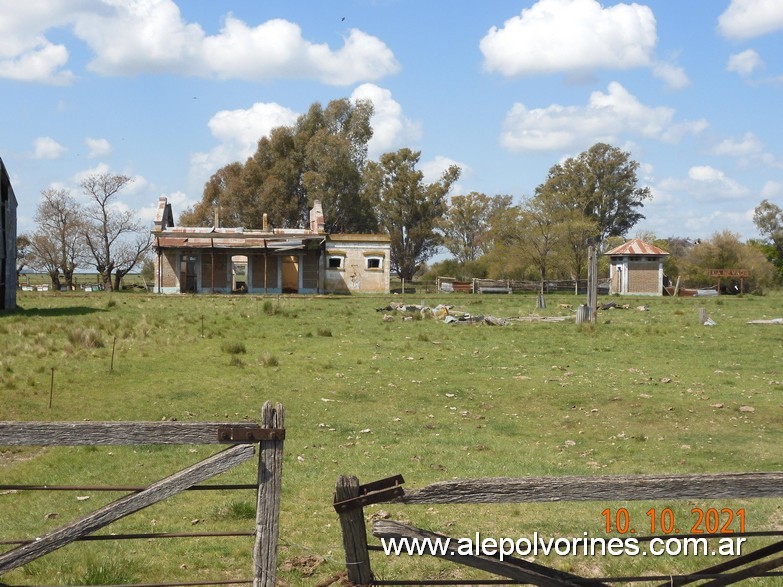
x=374, y=262
x=335, y=262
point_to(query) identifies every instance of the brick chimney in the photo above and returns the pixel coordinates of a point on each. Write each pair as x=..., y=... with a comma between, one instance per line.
x=317, y=218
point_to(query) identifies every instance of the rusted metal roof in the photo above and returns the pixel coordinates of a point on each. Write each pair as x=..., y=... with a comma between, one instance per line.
x=212, y=242
x=637, y=247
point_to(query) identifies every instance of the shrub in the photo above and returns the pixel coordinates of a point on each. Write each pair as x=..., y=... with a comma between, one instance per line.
x=233, y=348
x=87, y=338
x=269, y=360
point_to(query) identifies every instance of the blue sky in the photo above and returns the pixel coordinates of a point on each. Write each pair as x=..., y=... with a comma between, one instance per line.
x=168, y=92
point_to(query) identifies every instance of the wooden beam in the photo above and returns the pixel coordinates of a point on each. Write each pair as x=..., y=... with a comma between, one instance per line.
x=607, y=488
x=127, y=505
x=120, y=433
x=512, y=568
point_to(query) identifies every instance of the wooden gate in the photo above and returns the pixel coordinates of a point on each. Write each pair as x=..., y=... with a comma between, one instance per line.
x=243, y=438
x=350, y=498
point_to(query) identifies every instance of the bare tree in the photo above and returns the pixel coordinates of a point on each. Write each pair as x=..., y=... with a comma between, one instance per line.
x=115, y=238
x=128, y=254
x=59, y=240
x=23, y=254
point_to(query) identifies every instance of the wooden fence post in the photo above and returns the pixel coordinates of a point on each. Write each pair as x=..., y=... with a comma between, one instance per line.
x=357, y=558
x=270, y=473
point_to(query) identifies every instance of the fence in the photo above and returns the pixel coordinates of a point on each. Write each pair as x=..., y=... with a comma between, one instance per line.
x=350, y=498
x=242, y=436
x=485, y=286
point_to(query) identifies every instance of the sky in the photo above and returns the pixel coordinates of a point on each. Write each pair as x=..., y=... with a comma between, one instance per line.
x=167, y=92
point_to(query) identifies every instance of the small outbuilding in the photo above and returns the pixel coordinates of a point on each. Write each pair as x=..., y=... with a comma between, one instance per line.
x=636, y=268
x=267, y=260
x=7, y=242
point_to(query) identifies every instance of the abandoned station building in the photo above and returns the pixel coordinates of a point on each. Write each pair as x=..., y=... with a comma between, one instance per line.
x=267, y=260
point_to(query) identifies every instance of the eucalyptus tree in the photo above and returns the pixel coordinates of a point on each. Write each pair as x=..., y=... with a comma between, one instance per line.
x=602, y=184
x=407, y=208
x=467, y=225
x=320, y=157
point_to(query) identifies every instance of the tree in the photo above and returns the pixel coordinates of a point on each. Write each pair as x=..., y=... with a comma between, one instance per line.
x=23, y=254
x=466, y=226
x=601, y=183
x=116, y=240
x=321, y=157
x=539, y=234
x=59, y=241
x=768, y=218
x=725, y=251
x=408, y=209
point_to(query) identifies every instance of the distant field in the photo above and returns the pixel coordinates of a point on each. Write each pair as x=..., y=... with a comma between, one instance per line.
x=642, y=392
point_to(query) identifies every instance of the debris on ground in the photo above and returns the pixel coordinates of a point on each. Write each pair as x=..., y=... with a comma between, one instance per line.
x=449, y=315
x=772, y=321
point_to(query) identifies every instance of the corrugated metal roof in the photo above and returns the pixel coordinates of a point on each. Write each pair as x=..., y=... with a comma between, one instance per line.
x=637, y=247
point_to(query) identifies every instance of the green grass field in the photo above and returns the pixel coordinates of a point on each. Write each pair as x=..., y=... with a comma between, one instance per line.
x=641, y=392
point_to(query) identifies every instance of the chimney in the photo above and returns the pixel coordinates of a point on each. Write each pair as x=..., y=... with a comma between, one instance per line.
x=217, y=217
x=265, y=223
x=317, y=218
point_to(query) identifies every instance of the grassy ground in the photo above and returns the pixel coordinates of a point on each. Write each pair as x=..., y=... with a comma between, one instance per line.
x=641, y=392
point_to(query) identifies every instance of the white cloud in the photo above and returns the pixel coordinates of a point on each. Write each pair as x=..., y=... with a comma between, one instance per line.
x=744, y=63
x=48, y=148
x=239, y=132
x=706, y=184
x=748, y=146
x=674, y=77
x=97, y=147
x=276, y=48
x=745, y=19
x=571, y=35
x=772, y=189
x=604, y=118
x=151, y=36
x=748, y=150
x=391, y=129
x=133, y=37
x=434, y=168
x=25, y=53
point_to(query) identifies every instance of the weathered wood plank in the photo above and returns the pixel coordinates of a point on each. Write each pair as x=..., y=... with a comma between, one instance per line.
x=357, y=556
x=115, y=433
x=270, y=475
x=606, y=488
x=127, y=505
x=511, y=568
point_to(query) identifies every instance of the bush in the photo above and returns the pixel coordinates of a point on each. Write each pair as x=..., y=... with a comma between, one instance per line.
x=234, y=348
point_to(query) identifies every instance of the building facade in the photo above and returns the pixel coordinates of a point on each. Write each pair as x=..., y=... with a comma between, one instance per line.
x=636, y=268
x=267, y=260
x=7, y=241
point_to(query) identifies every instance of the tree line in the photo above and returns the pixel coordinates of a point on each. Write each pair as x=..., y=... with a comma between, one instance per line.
x=593, y=199
x=323, y=156
x=69, y=235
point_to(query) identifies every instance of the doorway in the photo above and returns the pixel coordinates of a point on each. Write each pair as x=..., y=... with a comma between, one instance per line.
x=187, y=277
x=291, y=274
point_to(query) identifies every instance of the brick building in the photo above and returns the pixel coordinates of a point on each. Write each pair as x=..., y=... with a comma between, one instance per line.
x=636, y=268
x=267, y=260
